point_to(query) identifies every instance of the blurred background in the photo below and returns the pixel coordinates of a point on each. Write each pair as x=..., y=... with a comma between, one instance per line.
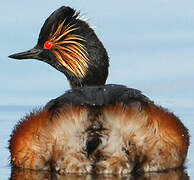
x=150, y=45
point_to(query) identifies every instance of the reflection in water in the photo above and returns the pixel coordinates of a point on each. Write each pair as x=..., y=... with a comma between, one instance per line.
x=18, y=174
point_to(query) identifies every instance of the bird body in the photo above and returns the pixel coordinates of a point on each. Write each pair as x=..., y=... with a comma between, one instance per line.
x=93, y=128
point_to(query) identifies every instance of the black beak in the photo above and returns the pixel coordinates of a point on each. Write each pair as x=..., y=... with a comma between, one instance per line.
x=33, y=53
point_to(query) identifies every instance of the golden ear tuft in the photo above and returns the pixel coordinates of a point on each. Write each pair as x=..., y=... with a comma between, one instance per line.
x=68, y=49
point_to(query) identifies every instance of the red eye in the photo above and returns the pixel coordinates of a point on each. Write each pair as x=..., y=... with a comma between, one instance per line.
x=48, y=45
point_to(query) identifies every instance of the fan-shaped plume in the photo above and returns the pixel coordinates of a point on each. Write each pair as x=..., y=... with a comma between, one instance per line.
x=68, y=48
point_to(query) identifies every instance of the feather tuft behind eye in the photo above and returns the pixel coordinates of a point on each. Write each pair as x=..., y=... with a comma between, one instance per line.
x=68, y=48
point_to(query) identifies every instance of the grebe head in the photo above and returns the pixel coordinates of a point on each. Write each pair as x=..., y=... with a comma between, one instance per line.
x=71, y=46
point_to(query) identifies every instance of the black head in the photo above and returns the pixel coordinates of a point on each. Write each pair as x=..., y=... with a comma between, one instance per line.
x=72, y=47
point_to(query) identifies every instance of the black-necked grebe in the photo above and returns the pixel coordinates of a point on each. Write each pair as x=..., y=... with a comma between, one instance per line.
x=93, y=128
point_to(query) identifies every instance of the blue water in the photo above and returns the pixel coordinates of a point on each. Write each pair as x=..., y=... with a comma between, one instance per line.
x=151, y=48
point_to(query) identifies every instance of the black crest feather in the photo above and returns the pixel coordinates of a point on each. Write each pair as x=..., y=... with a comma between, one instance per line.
x=57, y=17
